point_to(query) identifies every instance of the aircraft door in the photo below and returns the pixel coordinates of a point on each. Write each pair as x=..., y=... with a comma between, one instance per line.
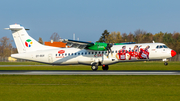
x=103, y=56
x=50, y=59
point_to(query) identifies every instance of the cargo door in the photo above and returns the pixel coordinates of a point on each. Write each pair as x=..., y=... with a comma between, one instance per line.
x=50, y=59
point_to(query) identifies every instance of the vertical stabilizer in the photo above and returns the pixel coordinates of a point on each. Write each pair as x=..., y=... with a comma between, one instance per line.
x=23, y=41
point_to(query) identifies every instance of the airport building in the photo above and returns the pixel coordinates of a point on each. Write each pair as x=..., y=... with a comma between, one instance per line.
x=55, y=44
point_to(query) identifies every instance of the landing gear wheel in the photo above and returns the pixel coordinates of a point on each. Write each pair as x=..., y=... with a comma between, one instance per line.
x=105, y=67
x=165, y=63
x=94, y=67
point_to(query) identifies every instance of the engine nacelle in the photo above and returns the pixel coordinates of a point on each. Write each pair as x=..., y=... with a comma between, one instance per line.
x=98, y=46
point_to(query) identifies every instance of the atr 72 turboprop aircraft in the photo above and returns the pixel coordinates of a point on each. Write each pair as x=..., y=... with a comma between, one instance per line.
x=86, y=53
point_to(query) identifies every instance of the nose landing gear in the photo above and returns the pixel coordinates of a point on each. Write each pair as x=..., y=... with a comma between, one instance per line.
x=165, y=62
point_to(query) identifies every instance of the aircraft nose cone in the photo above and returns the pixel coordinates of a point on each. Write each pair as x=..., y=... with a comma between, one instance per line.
x=173, y=53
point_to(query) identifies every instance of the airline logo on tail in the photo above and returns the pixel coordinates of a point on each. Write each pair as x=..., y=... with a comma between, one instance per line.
x=28, y=43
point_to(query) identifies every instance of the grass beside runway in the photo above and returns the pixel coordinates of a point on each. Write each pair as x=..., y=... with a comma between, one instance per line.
x=21, y=63
x=88, y=88
x=150, y=65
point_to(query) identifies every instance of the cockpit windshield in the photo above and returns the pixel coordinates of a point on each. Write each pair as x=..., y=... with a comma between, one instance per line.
x=161, y=46
x=165, y=46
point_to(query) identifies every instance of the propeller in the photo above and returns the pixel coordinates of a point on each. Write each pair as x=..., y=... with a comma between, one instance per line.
x=108, y=47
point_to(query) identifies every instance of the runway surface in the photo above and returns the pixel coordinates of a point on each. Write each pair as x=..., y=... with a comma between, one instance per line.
x=82, y=72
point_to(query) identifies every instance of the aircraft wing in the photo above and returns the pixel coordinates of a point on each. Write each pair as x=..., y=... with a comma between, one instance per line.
x=77, y=44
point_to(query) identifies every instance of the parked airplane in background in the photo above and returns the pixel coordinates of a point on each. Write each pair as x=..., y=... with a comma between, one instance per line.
x=86, y=53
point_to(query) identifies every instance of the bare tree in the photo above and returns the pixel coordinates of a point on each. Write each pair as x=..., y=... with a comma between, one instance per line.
x=114, y=37
x=40, y=40
x=55, y=37
x=5, y=47
x=104, y=36
x=130, y=37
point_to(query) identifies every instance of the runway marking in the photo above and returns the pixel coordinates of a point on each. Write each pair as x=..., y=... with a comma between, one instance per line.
x=75, y=72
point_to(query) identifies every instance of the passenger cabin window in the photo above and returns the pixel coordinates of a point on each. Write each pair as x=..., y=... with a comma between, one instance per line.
x=85, y=53
x=78, y=53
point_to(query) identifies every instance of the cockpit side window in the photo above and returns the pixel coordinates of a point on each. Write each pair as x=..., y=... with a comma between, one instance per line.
x=161, y=47
x=157, y=46
x=165, y=46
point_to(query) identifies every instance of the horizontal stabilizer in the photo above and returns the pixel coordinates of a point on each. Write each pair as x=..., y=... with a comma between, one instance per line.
x=13, y=29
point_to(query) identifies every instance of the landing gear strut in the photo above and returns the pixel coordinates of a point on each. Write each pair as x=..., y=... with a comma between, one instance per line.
x=105, y=67
x=94, y=67
x=165, y=63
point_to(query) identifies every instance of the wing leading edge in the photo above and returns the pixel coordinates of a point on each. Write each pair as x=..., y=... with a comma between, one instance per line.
x=92, y=46
x=77, y=44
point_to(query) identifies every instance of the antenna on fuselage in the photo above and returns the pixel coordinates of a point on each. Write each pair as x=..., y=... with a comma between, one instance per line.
x=74, y=36
x=153, y=41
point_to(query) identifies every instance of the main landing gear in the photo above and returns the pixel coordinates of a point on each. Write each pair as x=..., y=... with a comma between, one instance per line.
x=105, y=67
x=94, y=67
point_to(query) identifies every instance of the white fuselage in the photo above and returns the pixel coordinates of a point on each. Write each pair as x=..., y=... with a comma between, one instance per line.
x=30, y=49
x=87, y=57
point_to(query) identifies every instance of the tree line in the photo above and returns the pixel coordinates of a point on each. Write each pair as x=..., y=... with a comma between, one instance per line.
x=172, y=40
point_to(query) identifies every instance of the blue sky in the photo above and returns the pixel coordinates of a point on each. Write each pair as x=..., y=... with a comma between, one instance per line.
x=89, y=18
